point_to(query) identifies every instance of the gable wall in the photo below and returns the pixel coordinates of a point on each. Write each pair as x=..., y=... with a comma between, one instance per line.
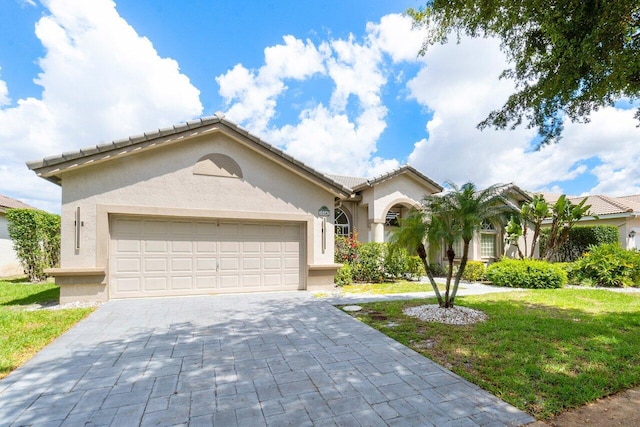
x=162, y=181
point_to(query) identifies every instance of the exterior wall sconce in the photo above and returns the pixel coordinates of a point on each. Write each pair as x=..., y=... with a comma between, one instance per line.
x=632, y=234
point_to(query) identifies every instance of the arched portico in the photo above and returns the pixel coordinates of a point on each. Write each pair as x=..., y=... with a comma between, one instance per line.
x=390, y=217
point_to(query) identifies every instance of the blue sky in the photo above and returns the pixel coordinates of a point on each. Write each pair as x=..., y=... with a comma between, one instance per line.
x=336, y=84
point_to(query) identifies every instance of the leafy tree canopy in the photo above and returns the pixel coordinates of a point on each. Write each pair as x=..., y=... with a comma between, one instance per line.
x=569, y=57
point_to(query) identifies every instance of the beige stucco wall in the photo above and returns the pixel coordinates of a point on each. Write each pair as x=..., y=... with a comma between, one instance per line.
x=161, y=182
x=9, y=264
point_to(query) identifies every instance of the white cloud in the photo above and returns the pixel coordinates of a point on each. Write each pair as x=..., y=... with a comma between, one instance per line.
x=340, y=137
x=4, y=93
x=100, y=81
x=252, y=95
x=460, y=84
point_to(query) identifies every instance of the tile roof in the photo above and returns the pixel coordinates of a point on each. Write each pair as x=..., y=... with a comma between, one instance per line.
x=348, y=181
x=602, y=205
x=356, y=183
x=9, y=203
x=50, y=167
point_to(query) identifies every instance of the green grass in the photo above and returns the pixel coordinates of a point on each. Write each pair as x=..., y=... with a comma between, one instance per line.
x=543, y=351
x=24, y=333
x=399, y=287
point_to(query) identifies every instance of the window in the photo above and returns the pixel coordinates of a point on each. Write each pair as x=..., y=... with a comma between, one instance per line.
x=488, y=236
x=393, y=218
x=343, y=228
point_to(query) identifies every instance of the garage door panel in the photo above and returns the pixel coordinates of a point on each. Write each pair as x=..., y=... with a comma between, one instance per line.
x=181, y=247
x=155, y=265
x=229, y=247
x=180, y=257
x=206, y=265
x=154, y=227
x=206, y=282
x=127, y=227
x=272, y=247
x=181, y=283
x=227, y=282
x=181, y=264
x=155, y=246
x=272, y=263
x=155, y=284
x=251, y=247
x=206, y=247
x=127, y=246
x=129, y=284
x=249, y=264
x=292, y=279
x=128, y=265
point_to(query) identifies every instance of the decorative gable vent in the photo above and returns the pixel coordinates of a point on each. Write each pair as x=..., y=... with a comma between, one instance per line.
x=217, y=164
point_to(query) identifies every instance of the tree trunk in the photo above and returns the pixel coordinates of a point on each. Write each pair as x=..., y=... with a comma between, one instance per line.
x=422, y=253
x=450, y=256
x=463, y=265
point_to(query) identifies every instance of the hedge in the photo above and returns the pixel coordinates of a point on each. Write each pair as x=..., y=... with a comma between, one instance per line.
x=475, y=271
x=36, y=240
x=526, y=273
x=580, y=239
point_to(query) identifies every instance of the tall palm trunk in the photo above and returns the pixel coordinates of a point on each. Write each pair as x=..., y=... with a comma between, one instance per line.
x=463, y=265
x=422, y=253
x=450, y=257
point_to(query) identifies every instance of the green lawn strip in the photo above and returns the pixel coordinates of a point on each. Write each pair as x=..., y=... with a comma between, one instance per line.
x=12, y=293
x=543, y=351
x=24, y=333
x=399, y=287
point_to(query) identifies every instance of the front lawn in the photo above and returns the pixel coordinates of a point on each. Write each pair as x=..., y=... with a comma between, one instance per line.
x=24, y=333
x=543, y=351
x=400, y=287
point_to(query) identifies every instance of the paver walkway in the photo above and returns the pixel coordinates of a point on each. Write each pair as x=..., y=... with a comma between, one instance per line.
x=263, y=359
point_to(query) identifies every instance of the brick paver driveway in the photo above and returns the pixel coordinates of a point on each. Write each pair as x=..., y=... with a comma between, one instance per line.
x=268, y=359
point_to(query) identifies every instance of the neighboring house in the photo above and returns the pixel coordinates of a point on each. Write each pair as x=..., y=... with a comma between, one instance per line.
x=622, y=212
x=378, y=204
x=201, y=207
x=9, y=263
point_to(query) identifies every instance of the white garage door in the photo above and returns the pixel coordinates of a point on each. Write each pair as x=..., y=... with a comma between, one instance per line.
x=159, y=257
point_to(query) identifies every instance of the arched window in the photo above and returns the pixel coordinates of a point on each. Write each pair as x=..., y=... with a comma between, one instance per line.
x=343, y=228
x=488, y=236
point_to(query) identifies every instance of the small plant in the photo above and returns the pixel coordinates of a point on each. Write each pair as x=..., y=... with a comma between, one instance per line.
x=437, y=270
x=369, y=264
x=415, y=268
x=395, y=262
x=607, y=265
x=344, y=276
x=526, y=273
x=475, y=271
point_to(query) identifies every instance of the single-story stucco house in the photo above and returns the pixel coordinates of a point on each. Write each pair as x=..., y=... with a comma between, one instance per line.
x=9, y=263
x=206, y=207
x=622, y=212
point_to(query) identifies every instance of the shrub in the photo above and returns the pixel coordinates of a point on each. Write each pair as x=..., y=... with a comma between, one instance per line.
x=344, y=276
x=475, y=271
x=36, y=240
x=437, y=270
x=346, y=249
x=369, y=263
x=395, y=262
x=415, y=268
x=526, y=273
x=607, y=265
x=581, y=238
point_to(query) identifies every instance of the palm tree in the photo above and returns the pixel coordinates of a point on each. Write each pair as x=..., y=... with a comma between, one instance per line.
x=446, y=218
x=415, y=229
